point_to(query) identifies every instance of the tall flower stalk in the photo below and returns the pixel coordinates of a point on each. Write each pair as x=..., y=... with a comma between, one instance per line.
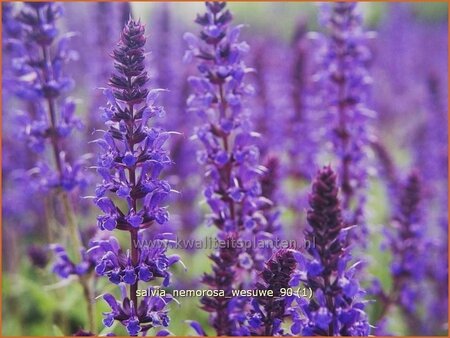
x=39, y=56
x=405, y=239
x=233, y=173
x=345, y=81
x=336, y=307
x=132, y=194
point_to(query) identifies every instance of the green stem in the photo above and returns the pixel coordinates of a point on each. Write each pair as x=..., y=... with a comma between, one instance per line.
x=76, y=242
x=89, y=297
x=74, y=234
x=72, y=225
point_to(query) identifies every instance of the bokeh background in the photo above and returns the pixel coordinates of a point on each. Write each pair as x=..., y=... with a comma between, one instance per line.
x=409, y=93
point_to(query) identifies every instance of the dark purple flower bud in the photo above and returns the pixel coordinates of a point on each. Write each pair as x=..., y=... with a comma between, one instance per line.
x=83, y=333
x=335, y=308
x=38, y=256
x=269, y=311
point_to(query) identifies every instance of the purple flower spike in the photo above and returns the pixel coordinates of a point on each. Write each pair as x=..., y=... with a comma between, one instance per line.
x=335, y=308
x=345, y=81
x=233, y=171
x=131, y=195
x=406, y=239
x=133, y=156
x=39, y=54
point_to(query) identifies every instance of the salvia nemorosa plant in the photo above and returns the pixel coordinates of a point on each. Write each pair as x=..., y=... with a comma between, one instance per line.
x=132, y=194
x=39, y=56
x=406, y=241
x=336, y=307
x=15, y=188
x=233, y=172
x=299, y=106
x=345, y=79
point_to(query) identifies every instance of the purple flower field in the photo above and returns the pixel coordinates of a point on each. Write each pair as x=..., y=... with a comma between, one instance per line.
x=224, y=169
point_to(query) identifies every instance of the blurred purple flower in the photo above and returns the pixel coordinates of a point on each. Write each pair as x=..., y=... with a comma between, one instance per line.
x=171, y=74
x=38, y=58
x=38, y=255
x=345, y=82
x=64, y=265
x=409, y=247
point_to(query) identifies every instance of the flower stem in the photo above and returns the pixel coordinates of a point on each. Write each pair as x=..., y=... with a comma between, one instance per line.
x=72, y=225
x=76, y=242
x=88, y=296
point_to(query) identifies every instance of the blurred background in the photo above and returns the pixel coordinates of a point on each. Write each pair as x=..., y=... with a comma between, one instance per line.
x=409, y=94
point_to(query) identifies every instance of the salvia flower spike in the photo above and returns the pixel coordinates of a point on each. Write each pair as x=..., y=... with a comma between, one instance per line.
x=132, y=194
x=407, y=241
x=336, y=307
x=345, y=82
x=229, y=153
x=40, y=54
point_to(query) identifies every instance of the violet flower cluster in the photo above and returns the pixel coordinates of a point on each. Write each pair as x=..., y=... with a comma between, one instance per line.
x=258, y=156
x=233, y=170
x=336, y=307
x=345, y=80
x=38, y=62
x=405, y=239
x=16, y=186
x=39, y=57
x=230, y=156
x=132, y=194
